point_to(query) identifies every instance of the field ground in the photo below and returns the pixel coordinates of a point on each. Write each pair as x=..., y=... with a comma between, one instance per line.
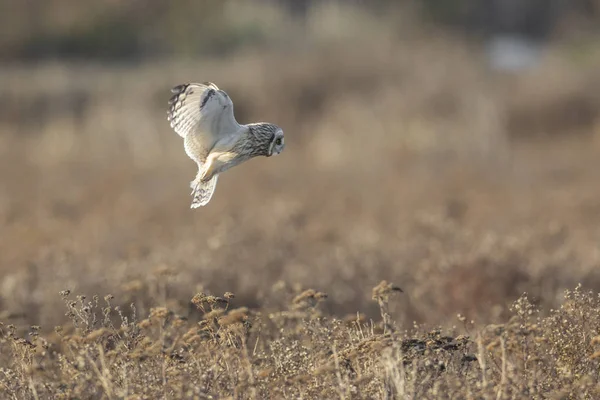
x=463, y=187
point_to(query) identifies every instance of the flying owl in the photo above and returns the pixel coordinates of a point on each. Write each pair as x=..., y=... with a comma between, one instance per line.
x=202, y=115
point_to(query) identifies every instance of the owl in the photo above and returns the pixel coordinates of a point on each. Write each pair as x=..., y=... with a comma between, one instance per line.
x=202, y=115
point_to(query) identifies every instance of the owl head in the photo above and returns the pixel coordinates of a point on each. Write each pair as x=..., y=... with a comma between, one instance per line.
x=270, y=136
x=277, y=142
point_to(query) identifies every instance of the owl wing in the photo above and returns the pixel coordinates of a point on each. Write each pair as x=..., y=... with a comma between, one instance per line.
x=203, y=110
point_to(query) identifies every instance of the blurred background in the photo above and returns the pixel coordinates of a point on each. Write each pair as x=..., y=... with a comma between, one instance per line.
x=450, y=147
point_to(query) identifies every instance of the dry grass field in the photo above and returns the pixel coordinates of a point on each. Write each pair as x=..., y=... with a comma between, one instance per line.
x=409, y=165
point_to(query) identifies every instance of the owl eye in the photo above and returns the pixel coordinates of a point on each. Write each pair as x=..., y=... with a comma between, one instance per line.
x=278, y=142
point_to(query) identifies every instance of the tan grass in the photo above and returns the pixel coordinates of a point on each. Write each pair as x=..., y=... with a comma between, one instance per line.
x=255, y=355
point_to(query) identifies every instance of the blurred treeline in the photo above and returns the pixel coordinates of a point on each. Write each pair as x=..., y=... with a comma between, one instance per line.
x=135, y=29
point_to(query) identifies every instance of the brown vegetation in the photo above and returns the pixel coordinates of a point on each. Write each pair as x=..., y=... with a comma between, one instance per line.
x=297, y=352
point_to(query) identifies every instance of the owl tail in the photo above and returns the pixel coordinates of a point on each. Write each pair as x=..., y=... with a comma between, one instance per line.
x=203, y=191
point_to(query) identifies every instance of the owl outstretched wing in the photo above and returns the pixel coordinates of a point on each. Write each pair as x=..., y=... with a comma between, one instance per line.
x=203, y=110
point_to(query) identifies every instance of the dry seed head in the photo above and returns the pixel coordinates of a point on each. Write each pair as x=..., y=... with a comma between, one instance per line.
x=203, y=324
x=307, y=294
x=190, y=332
x=145, y=342
x=178, y=322
x=462, y=338
x=209, y=299
x=145, y=323
x=229, y=295
x=198, y=299
x=190, y=336
x=45, y=344
x=65, y=293
x=159, y=313
x=23, y=342
x=216, y=300
x=278, y=286
x=384, y=289
x=320, y=295
x=234, y=316
x=214, y=314
x=239, y=311
x=155, y=348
